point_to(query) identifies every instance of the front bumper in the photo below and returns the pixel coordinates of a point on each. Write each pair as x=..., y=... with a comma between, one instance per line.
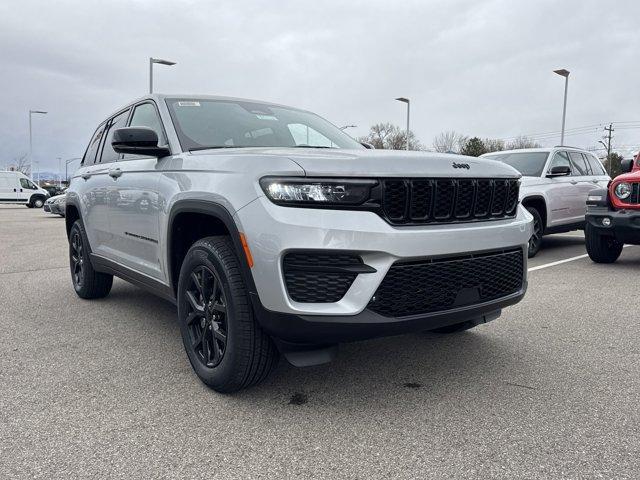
x=272, y=231
x=47, y=207
x=624, y=224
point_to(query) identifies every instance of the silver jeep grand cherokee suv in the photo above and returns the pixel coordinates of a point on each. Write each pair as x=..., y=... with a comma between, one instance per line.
x=275, y=232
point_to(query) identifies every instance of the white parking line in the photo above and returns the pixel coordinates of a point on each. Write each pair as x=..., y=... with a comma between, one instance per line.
x=553, y=264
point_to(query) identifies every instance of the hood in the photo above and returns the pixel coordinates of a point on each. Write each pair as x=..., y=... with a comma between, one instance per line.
x=380, y=163
x=527, y=181
x=56, y=197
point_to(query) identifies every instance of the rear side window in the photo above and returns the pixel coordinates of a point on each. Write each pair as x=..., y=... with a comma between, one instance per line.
x=90, y=155
x=561, y=159
x=596, y=166
x=580, y=165
x=108, y=153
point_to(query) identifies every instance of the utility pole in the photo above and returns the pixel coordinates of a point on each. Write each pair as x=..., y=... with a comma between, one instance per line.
x=610, y=130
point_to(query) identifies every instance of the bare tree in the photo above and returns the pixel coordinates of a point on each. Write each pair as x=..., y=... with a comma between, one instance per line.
x=522, y=142
x=386, y=136
x=21, y=164
x=449, y=142
x=493, y=145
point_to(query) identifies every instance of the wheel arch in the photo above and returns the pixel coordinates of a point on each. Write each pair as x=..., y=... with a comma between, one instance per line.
x=205, y=218
x=539, y=203
x=72, y=213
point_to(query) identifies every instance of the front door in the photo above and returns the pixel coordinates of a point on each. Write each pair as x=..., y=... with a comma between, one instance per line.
x=135, y=205
x=564, y=194
x=25, y=189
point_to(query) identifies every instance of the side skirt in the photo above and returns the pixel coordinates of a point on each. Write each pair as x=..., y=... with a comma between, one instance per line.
x=104, y=265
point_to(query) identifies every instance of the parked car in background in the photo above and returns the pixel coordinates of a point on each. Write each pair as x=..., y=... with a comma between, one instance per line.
x=17, y=188
x=275, y=232
x=613, y=215
x=54, y=189
x=555, y=185
x=56, y=204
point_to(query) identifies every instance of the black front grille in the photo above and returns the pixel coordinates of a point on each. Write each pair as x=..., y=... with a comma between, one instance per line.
x=435, y=285
x=318, y=277
x=446, y=200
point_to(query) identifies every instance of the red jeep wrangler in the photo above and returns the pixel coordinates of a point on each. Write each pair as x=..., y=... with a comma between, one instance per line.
x=613, y=215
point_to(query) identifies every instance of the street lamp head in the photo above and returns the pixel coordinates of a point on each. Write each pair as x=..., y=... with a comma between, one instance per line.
x=162, y=62
x=348, y=126
x=403, y=99
x=562, y=72
x=37, y=111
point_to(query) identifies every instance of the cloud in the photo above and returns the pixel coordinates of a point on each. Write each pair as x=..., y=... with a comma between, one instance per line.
x=479, y=67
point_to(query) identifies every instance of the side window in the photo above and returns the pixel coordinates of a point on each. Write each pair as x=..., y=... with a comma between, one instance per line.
x=560, y=159
x=25, y=183
x=108, y=153
x=579, y=166
x=596, y=166
x=90, y=155
x=145, y=115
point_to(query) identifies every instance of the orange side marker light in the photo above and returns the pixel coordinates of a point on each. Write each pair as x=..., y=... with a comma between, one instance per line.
x=247, y=252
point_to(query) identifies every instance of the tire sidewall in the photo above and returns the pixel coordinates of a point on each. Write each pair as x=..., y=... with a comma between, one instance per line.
x=223, y=372
x=536, y=215
x=37, y=200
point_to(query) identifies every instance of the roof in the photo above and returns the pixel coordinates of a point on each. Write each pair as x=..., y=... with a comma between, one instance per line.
x=541, y=150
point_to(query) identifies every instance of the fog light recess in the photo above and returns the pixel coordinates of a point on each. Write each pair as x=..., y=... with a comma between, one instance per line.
x=606, y=222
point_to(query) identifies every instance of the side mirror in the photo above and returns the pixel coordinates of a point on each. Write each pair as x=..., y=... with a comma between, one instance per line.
x=138, y=141
x=559, y=171
x=367, y=145
x=626, y=165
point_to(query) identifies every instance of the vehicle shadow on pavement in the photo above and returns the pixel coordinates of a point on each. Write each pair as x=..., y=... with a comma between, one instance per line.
x=423, y=363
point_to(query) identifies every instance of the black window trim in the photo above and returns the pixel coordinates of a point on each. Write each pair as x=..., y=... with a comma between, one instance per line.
x=108, y=123
x=84, y=157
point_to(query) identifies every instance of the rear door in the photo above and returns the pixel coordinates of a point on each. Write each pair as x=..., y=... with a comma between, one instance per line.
x=134, y=210
x=599, y=178
x=8, y=188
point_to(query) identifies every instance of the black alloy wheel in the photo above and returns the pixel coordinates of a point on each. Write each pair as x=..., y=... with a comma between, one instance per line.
x=536, y=237
x=207, y=316
x=77, y=259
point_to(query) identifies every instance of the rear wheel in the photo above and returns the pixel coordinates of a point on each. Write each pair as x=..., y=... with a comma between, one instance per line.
x=225, y=345
x=536, y=237
x=86, y=281
x=601, y=248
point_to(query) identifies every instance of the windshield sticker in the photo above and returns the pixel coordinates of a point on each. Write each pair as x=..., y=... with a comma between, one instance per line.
x=188, y=104
x=266, y=117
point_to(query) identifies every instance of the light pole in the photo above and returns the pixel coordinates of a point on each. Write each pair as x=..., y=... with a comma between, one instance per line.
x=31, y=112
x=159, y=61
x=563, y=73
x=406, y=100
x=66, y=167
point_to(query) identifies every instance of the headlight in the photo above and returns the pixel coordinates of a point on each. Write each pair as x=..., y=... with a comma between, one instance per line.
x=316, y=191
x=623, y=190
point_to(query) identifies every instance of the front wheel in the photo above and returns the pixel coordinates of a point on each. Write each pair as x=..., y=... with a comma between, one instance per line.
x=226, y=347
x=37, y=202
x=536, y=237
x=601, y=248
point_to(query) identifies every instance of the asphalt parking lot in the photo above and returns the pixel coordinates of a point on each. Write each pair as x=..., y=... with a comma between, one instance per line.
x=104, y=388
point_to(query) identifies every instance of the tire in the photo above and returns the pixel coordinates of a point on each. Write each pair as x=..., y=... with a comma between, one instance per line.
x=226, y=347
x=535, y=241
x=37, y=202
x=601, y=248
x=86, y=281
x=455, y=328
x=29, y=205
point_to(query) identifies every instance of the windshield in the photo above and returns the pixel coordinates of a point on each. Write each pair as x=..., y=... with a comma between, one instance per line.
x=202, y=123
x=529, y=164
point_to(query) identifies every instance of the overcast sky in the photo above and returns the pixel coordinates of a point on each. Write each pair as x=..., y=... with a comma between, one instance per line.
x=478, y=67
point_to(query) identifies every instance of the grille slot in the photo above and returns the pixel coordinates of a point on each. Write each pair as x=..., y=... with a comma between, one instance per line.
x=317, y=277
x=428, y=286
x=446, y=200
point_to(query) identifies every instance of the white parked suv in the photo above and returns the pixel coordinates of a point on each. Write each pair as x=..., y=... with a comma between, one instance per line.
x=17, y=188
x=555, y=185
x=275, y=232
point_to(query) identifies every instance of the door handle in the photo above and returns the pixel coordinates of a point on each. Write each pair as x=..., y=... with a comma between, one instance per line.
x=15, y=190
x=86, y=176
x=115, y=172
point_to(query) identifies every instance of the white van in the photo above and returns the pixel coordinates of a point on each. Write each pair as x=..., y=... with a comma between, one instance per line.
x=16, y=187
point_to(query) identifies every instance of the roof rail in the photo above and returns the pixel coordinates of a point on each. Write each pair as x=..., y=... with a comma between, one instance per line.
x=567, y=146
